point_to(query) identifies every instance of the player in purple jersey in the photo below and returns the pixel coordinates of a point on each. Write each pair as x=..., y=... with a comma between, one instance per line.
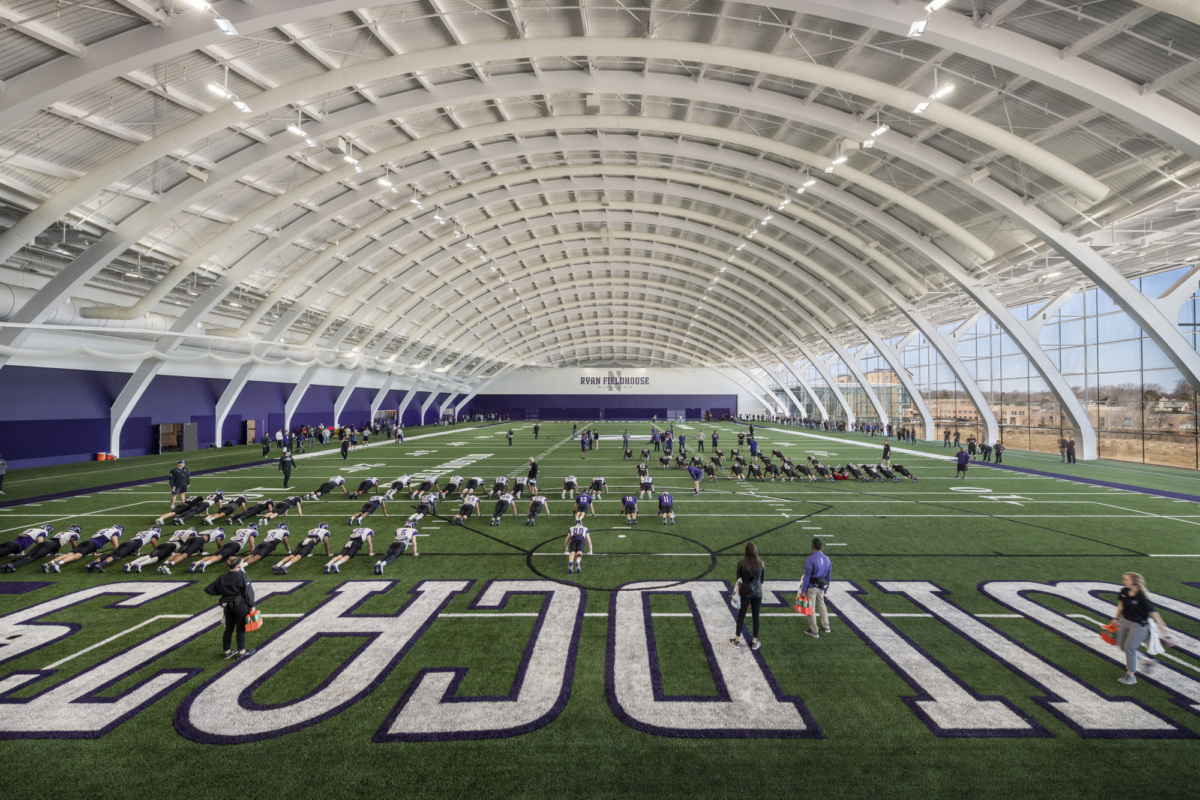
x=583, y=504
x=47, y=547
x=629, y=508
x=697, y=476
x=666, y=507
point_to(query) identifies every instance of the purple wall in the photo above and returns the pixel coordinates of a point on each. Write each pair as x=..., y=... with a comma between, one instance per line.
x=412, y=414
x=56, y=416
x=52, y=416
x=591, y=406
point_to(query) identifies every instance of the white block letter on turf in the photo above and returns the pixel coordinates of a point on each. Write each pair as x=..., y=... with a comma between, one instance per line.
x=944, y=703
x=748, y=702
x=1090, y=713
x=429, y=711
x=224, y=711
x=1014, y=595
x=73, y=709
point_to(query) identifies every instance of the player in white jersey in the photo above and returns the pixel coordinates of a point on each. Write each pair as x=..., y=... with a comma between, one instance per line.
x=470, y=504
x=163, y=551
x=232, y=546
x=573, y=547
x=100, y=539
x=453, y=485
x=519, y=487
x=336, y=482
x=499, y=486
x=133, y=544
x=426, y=506
x=399, y=485
x=305, y=548
x=47, y=547
x=570, y=486
x=269, y=542
x=537, y=504
x=357, y=537
x=599, y=487
x=504, y=503
x=472, y=484
x=406, y=536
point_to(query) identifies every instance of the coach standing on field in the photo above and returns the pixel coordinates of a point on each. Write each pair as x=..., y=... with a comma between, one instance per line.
x=237, y=598
x=180, y=480
x=286, y=465
x=818, y=571
x=533, y=471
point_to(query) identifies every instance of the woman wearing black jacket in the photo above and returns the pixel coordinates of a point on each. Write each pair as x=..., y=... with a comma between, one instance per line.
x=750, y=575
x=236, y=598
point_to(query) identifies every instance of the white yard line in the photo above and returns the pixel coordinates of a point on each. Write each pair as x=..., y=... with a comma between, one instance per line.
x=72, y=516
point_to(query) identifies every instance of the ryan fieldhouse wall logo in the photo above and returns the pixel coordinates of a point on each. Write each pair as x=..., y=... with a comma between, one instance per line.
x=613, y=381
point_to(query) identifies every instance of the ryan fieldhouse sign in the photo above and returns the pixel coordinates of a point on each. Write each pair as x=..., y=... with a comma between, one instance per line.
x=614, y=381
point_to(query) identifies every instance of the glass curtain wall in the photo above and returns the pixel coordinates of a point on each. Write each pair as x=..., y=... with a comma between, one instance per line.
x=949, y=404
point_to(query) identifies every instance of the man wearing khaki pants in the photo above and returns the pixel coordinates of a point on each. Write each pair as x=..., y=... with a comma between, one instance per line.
x=818, y=571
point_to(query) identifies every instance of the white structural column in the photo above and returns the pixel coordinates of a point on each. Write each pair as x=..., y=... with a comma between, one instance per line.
x=380, y=395
x=343, y=397
x=230, y=395
x=298, y=391
x=123, y=406
x=404, y=401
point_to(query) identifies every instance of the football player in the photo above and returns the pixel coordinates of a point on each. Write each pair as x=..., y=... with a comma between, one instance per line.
x=504, y=504
x=182, y=508
x=499, y=486
x=629, y=508
x=336, y=482
x=583, y=504
x=367, y=485
x=470, y=504
x=405, y=537
x=900, y=468
x=357, y=537
x=232, y=546
x=227, y=509
x=100, y=539
x=373, y=504
x=22, y=543
x=569, y=485
x=666, y=507
x=161, y=552
x=305, y=548
x=255, y=511
x=599, y=486
x=270, y=541
x=133, y=545
x=284, y=506
x=49, y=545
x=573, y=547
x=453, y=485
x=537, y=504
x=192, y=545
x=399, y=485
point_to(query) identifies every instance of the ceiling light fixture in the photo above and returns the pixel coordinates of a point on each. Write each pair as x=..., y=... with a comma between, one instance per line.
x=917, y=29
x=880, y=131
x=226, y=26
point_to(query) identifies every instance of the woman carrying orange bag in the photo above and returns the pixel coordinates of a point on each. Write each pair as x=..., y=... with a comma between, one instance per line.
x=237, y=601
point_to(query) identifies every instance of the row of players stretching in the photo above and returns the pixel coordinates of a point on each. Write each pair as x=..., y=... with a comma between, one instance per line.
x=40, y=542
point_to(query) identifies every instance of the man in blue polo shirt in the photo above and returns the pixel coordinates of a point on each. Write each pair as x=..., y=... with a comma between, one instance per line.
x=964, y=458
x=818, y=572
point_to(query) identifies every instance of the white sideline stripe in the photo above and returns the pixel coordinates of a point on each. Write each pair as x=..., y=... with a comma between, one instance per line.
x=872, y=445
x=1174, y=555
x=116, y=636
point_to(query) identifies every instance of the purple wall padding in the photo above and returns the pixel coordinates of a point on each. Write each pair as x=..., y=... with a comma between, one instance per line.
x=316, y=407
x=612, y=405
x=54, y=416
x=172, y=398
x=358, y=408
x=412, y=414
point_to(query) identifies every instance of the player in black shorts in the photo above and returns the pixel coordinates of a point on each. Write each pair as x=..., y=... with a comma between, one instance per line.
x=357, y=537
x=628, y=455
x=425, y=486
x=820, y=469
x=664, y=461
x=270, y=541
x=519, y=487
x=710, y=469
x=373, y=504
x=265, y=507
x=228, y=509
x=453, y=486
x=870, y=472
x=884, y=472
x=499, y=486
x=470, y=504
x=182, y=508
x=754, y=472
x=737, y=472
x=367, y=486
x=191, y=545
x=900, y=468
x=425, y=507
x=504, y=503
x=336, y=482
x=284, y=506
x=854, y=471
x=645, y=454
x=599, y=486
x=305, y=548
x=629, y=508
x=537, y=504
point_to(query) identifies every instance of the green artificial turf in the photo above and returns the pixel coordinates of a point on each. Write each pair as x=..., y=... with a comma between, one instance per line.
x=873, y=744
